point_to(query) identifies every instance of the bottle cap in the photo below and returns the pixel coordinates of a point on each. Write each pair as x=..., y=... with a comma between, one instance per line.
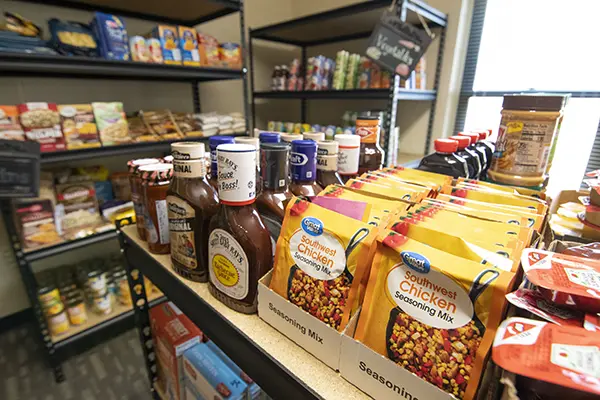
x=445, y=145
x=248, y=140
x=346, y=140
x=303, y=160
x=462, y=141
x=316, y=136
x=156, y=173
x=187, y=150
x=482, y=134
x=213, y=142
x=290, y=137
x=237, y=175
x=167, y=159
x=274, y=164
x=134, y=165
x=269, y=137
x=473, y=137
x=327, y=147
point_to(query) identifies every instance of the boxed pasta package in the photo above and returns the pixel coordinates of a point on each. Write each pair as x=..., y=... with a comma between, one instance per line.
x=79, y=126
x=41, y=123
x=112, y=124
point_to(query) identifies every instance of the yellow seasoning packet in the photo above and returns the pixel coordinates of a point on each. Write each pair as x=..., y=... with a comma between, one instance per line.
x=473, y=183
x=388, y=179
x=415, y=175
x=404, y=193
x=320, y=260
x=432, y=313
x=537, y=205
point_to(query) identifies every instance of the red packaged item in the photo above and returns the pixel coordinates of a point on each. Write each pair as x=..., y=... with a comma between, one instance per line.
x=551, y=361
x=564, y=280
x=208, y=48
x=591, y=322
x=41, y=123
x=173, y=334
x=591, y=250
x=535, y=303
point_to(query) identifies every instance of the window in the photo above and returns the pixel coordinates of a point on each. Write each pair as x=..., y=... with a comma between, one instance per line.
x=537, y=46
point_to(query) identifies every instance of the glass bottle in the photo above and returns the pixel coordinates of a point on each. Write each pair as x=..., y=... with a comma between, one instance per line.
x=327, y=163
x=135, y=182
x=348, y=155
x=303, y=161
x=155, y=184
x=371, y=154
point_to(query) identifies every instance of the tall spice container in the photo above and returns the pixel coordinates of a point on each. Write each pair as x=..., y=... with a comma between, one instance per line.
x=155, y=184
x=239, y=246
x=349, y=154
x=191, y=202
x=135, y=183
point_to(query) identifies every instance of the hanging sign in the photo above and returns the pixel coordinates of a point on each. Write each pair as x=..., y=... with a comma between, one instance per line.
x=397, y=46
x=19, y=169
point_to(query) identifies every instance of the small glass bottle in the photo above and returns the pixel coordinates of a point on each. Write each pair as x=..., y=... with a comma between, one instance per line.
x=155, y=184
x=445, y=161
x=239, y=246
x=213, y=142
x=303, y=161
x=349, y=154
x=135, y=182
x=371, y=154
x=327, y=163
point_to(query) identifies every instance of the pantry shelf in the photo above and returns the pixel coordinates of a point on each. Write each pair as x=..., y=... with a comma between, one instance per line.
x=59, y=248
x=16, y=64
x=358, y=94
x=281, y=367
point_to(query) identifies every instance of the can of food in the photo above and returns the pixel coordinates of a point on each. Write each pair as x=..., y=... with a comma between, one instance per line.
x=528, y=128
x=124, y=292
x=58, y=323
x=76, y=311
x=96, y=282
x=102, y=304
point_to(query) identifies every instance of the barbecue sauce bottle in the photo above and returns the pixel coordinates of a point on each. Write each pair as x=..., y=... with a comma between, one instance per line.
x=303, y=160
x=327, y=163
x=191, y=203
x=239, y=245
x=213, y=142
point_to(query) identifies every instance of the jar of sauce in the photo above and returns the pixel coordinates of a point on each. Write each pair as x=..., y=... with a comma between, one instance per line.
x=155, y=184
x=316, y=136
x=303, y=161
x=348, y=156
x=213, y=142
x=327, y=163
x=239, y=246
x=269, y=137
x=135, y=183
x=191, y=203
x=275, y=193
x=371, y=154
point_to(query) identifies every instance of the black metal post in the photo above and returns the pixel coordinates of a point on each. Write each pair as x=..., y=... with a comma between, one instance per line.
x=436, y=86
x=244, y=67
x=251, y=57
x=31, y=288
x=196, y=96
x=303, y=100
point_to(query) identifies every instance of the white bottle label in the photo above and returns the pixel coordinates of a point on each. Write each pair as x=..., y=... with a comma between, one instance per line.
x=236, y=176
x=228, y=264
x=327, y=163
x=189, y=169
x=348, y=160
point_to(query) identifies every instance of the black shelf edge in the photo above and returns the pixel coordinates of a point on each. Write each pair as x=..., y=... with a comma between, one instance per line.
x=41, y=66
x=492, y=93
x=381, y=94
x=271, y=375
x=70, y=245
x=126, y=149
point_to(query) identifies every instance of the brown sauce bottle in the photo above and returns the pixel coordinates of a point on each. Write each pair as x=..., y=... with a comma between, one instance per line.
x=371, y=154
x=239, y=245
x=303, y=160
x=155, y=184
x=327, y=163
x=191, y=203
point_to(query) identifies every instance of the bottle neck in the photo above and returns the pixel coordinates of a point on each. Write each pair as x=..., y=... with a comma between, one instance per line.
x=189, y=168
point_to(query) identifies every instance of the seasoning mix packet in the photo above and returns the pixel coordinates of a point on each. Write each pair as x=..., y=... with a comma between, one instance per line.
x=320, y=259
x=400, y=192
x=431, y=312
x=537, y=205
x=430, y=189
x=418, y=176
x=483, y=185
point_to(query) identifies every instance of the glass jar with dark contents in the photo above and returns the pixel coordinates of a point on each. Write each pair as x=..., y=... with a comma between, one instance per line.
x=135, y=184
x=371, y=154
x=155, y=185
x=327, y=163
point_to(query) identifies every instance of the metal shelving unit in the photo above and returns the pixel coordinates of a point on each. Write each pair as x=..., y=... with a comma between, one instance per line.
x=350, y=23
x=184, y=12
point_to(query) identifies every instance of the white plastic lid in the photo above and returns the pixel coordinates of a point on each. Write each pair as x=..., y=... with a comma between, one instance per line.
x=248, y=140
x=316, y=136
x=327, y=147
x=347, y=140
x=187, y=150
x=290, y=137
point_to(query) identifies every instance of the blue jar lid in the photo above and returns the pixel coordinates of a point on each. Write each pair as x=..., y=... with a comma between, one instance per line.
x=214, y=141
x=269, y=137
x=303, y=160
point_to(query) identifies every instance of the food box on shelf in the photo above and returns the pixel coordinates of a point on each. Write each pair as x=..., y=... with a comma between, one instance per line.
x=313, y=335
x=169, y=43
x=41, y=123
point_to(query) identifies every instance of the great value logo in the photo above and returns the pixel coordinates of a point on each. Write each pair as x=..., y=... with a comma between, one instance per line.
x=416, y=261
x=312, y=226
x=298, y=159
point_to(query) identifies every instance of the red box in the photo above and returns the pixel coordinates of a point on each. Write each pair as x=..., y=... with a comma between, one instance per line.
x=173, y=333
x=41, y=123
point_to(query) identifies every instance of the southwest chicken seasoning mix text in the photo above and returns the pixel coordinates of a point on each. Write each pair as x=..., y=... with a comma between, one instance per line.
x=320, y=259
x=431, y=312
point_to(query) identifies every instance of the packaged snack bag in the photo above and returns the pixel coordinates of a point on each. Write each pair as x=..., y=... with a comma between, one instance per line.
x=564, y=280
x=320, y=260
x=415, y=175
x=400, y=192
x=489, y=254
x=537, y=205
x=431, y=312
x=536, y=304
x=551, y=361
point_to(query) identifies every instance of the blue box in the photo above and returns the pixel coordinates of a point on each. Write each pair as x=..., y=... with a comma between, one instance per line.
x=169, y=42
x=254, y=391
x=111, y=36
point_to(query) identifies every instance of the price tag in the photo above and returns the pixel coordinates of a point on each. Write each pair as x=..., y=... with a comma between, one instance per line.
x=19, y=169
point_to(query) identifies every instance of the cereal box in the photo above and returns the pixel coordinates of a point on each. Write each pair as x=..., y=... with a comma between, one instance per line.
x=41, y=123
x=79, y=126
x=10, y=129
x=169, y=42
x=154, y=50
x=188, y=43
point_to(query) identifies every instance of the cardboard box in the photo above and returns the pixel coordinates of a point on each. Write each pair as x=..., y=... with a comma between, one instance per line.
x=188, y=44
x=41, y=123
x=312, y=335
x=169, y=43
x=79, y=126
x=35, y=223
x=173, y=333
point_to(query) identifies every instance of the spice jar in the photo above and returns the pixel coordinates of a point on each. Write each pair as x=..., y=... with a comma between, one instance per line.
x=76, y=311
x=371, y=154
x=58, y=323
x=155, y=185
x=525, y=138
x=102, y=304
x=135, y=184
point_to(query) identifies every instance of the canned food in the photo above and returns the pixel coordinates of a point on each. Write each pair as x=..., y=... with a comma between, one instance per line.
x=58, y=323
x=102, y=304
x=96, y=282
x=76, y=311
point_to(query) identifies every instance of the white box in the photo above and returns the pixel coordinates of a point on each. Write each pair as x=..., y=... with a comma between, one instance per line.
x=380, y=377
x=314, y=336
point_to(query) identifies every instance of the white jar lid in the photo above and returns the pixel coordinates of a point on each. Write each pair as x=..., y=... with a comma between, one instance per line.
x=290, y=137
x=248, y=140
x=347, y=140
x=187, y=150
x=327, y=147
x=316, y=136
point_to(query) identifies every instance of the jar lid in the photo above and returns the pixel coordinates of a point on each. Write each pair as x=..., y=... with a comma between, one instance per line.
x=156, y=172
x=167, y=159
x=269, y=137
x=290, y=137
x=327, y=147
x=536, y=102
x=445, y=145
x=347, y=140
x=134, y=165
x=252, y=141
x=214, y=141
x=367, y=117
x=187, y=150
x=282, y=146
x=47, y=288
x=462, y=141
x=473, y=136
x=316, y=136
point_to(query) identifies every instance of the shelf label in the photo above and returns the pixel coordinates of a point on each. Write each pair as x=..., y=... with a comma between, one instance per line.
x=19, y=169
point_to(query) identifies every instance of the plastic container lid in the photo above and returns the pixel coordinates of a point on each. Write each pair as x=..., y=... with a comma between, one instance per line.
x=290, y=137
x=483, y=134
x=187, y=150
x=269, y=137
x=445, y=145
x=463, y=141
x=252, y=141
x=473, y=136
x=214, y=141
x=327, y=147
x=133, y=165
x=347, y=140
x=316, y=136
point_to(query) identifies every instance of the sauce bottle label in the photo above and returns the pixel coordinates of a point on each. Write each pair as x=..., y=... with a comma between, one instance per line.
x=367, y=130
x=348, y=160
x=228, y=264
x=327, y=163
x=181, y=222
x=160, y=235
x=237, y=177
